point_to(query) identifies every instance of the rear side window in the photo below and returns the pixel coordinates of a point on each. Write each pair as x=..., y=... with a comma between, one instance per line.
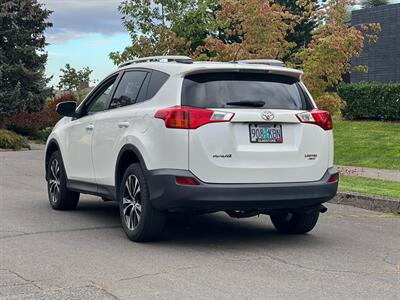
x=128, y=89
x=157, y=80
x=215, y=90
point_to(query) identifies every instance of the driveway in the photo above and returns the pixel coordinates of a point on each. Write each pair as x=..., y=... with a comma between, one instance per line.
x=46, y=254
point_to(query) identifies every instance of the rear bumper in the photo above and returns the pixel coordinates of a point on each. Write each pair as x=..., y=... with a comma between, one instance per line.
x=165, y=193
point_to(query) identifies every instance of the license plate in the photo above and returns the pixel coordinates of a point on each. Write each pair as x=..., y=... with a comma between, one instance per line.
x=266, y=133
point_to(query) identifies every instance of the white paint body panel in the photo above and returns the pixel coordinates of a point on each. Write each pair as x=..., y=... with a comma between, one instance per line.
x=108, y=139
x=91, y=156
x=159, y=147
x=75, y=142
x=222, y=153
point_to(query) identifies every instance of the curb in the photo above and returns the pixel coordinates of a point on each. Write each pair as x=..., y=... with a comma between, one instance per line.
x=13, y=150
x=375, y=203
x=35, y=146
x=380, y=174
x=32, y=146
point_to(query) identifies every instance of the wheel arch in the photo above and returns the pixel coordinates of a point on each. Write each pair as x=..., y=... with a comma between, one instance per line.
x=128, y=155
x=52, y=146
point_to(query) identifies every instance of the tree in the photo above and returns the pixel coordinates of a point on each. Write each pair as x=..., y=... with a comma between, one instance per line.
x=246, y=29
x=333, y=45
x=373, y=3
x=263, y=27
x=301, y=35
x=23, y=85
x=74, y=80
x=162, y=27
x=260, y=28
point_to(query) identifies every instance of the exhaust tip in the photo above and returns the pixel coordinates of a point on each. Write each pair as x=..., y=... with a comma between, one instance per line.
x=323, y=209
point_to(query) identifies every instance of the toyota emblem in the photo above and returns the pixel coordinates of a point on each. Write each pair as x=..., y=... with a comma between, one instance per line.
x=267, y=116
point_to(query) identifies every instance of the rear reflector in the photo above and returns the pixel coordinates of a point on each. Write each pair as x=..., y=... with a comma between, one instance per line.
x=184, y=117
x=318, y=117
x=186, y=181
x=334, y=178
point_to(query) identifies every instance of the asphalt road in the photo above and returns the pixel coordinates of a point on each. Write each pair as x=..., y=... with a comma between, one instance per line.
x=45, y=254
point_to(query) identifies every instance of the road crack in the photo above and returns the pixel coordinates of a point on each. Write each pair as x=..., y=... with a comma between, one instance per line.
x=174, y=270
x=101, y=288
x=21, y=233
x=300, y=266
x=27, y=281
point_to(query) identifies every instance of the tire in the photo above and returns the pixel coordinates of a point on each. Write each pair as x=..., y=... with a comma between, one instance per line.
x=140, y=220
x=296, y=222
x=60, y=197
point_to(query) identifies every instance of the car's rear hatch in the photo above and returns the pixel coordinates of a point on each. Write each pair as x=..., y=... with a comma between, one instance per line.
x=264, y=141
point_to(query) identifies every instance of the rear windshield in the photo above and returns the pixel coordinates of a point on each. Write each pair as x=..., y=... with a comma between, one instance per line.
x=216, y=90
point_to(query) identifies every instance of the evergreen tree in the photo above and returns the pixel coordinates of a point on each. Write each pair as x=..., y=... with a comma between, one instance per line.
x=23, y=85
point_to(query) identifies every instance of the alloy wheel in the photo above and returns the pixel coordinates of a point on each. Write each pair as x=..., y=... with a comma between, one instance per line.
x=131, y=202
x=54, y=180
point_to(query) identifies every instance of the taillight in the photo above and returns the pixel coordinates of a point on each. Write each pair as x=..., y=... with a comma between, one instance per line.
x=185, y=117
x=318, y=117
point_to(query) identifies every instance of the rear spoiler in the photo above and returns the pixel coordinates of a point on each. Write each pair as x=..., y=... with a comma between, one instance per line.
x=297, y=74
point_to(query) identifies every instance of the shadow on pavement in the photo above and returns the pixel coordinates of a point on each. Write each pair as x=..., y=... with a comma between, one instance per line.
x=218, y=229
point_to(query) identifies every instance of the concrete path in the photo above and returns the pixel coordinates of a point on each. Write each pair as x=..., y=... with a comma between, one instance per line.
x=391, y=175
x=84, y=254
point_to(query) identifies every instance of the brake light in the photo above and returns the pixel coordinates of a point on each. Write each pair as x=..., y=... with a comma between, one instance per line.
x=318, y=117
x=184, y=117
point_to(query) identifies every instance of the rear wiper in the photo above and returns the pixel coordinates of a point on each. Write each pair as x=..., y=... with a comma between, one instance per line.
x=247, y=103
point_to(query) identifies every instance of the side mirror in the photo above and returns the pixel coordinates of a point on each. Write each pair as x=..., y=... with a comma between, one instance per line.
x=66, y=109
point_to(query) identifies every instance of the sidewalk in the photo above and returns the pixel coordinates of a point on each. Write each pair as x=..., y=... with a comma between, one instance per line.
x=390, y=175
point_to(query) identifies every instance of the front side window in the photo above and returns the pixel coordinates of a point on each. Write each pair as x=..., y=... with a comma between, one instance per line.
x=99, y=102
x=128, y=89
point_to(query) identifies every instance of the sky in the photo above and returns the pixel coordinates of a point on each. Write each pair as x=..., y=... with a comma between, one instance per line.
x=84, y=32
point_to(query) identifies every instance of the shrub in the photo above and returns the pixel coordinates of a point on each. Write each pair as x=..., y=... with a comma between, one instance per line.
x=371, y=100
x=11, y=140
x=50, y=108
x=31, y=124
x=43, y=134
x=331, y=102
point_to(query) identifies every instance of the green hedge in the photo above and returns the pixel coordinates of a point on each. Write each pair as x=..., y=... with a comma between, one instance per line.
x=11, y=140
x=370, y=100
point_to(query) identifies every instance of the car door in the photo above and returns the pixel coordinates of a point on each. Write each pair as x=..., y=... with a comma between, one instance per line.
x=79, y=133
x=111, y=126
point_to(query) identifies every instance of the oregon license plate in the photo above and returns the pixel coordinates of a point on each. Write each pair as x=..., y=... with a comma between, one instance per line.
x=266, y=133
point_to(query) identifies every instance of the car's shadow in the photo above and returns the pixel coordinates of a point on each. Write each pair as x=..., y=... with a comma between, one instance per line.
x=217, y=229
x=220, y=230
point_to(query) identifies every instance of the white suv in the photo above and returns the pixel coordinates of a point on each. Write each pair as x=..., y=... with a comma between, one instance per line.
x=165, y=134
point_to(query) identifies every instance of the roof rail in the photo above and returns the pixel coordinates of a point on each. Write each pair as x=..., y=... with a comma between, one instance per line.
x=166, y=58
x=270, y=62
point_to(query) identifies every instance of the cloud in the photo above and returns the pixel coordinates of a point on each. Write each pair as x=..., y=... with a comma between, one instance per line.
x=74, y=19
x=63, y=36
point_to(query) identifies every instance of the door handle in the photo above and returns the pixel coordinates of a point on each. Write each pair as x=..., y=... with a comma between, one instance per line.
x=90, y=127
x=123, y=124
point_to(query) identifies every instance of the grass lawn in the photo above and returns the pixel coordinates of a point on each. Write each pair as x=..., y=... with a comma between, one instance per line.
x=370, y=186
x=367, y=144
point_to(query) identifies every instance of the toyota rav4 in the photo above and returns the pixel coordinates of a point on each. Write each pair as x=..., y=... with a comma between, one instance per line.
x=165, y=134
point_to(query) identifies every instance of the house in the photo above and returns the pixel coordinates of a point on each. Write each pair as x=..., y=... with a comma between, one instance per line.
x=382, y=57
